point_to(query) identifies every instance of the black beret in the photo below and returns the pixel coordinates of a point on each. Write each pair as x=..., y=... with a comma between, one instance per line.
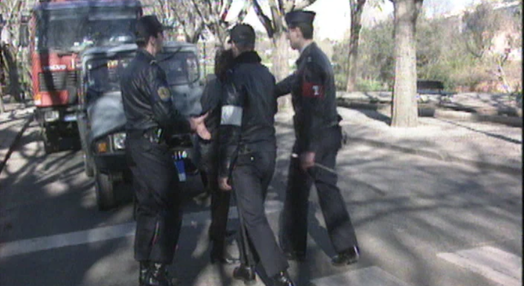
x=148, y=26
x=242, y=34
x=300, y=16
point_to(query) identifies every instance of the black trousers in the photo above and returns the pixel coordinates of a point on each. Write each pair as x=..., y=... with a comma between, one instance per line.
x=207, y=153
x=219, y=212
x=294, y=217
x=251, y=177
x=159, y=212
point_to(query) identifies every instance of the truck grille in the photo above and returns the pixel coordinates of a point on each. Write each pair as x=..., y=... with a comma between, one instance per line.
x=53, y=81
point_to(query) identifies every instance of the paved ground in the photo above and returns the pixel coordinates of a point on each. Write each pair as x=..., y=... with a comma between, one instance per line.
x=421, y=218
x=12, y=123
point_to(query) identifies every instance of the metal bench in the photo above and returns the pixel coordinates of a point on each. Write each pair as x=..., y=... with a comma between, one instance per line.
x=433, y=87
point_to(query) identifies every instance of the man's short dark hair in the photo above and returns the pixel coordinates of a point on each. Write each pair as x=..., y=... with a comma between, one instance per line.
x=306, y=29
x=244, y=47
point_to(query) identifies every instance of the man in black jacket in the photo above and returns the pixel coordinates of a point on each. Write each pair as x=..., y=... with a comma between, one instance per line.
x=318, y=139
x=208, y=165
x=247, y=152
x=151, y=117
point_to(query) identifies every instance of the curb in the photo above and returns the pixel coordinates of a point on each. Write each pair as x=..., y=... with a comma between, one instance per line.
x=428, y=110
x=15, y=141
x=467, y=116
x=445, y=157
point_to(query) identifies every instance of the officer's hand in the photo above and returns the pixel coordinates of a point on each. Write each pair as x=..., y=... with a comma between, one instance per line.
x=307, y=160
x=197, y=125
x=223, y=184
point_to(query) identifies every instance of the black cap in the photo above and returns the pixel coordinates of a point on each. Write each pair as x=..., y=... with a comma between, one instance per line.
x=299, y=16
x=242, y=34
x=148, y=26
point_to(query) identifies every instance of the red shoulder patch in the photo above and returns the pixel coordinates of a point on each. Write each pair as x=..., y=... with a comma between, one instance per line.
x=314, y=90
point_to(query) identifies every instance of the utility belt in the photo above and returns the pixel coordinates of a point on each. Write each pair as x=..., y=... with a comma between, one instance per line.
x=153, y=135
x=251, y=148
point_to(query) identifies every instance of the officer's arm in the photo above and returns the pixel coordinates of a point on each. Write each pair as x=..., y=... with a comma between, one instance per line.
x=230, y=126
x=162, y=106
x=313, y=93
x=285, y=86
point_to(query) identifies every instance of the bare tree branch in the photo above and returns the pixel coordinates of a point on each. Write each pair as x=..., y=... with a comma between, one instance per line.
x=243, y=12
x=266, y=22
x=303, y=4
x=189, y=19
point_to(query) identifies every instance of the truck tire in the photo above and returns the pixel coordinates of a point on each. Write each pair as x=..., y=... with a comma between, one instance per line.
x=105, y=187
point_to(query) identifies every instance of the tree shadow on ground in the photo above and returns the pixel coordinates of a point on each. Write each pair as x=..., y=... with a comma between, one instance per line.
x=498, y=136
x=405, y=209
x=408, y=208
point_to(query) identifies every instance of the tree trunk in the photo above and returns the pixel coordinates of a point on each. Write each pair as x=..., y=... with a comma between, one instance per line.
x=404, y=104
x=10, y=63
x=280, y=68
x=356, y=8
x=352, y=65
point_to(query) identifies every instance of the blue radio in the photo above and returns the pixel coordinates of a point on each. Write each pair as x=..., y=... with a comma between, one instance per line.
x=178, y=159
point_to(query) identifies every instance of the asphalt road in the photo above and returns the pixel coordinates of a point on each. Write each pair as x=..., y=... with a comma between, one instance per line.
x=419, y=222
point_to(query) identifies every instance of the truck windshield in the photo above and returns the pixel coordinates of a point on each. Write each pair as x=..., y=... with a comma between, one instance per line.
x=60, y=29
x=180, y=67
x=103, y=75
x=73, y=28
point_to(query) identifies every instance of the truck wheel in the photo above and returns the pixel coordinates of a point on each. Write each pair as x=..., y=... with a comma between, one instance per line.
x=105, y=187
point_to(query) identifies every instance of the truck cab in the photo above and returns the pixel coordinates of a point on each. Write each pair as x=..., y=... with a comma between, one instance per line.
x=59, y=31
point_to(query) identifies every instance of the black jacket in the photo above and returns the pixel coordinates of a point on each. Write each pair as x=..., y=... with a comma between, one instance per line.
x=248, y=109
x=313, y=93
x=147, y=99
x=210, y=101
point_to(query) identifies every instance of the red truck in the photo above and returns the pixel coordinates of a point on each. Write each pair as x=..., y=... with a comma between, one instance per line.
x=59, y=30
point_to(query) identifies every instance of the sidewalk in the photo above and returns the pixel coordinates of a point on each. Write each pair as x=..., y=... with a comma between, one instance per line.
x=475, y=107
x=483, y=145
x=12, y=124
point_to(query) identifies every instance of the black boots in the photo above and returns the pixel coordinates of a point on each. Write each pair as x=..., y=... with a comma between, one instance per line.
x=282, y=279
x=347, y=257
x=142, y=273
x=245, y=273
x=154, y=275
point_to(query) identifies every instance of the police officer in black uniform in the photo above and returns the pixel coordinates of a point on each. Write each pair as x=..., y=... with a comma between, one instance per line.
x=318, y=139
x=151, y=118
x=247, y=152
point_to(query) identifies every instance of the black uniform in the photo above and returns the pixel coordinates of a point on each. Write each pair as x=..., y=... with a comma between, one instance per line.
x=317, y=129
x=151, y=118
x=248, y=151
x=211, y=100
